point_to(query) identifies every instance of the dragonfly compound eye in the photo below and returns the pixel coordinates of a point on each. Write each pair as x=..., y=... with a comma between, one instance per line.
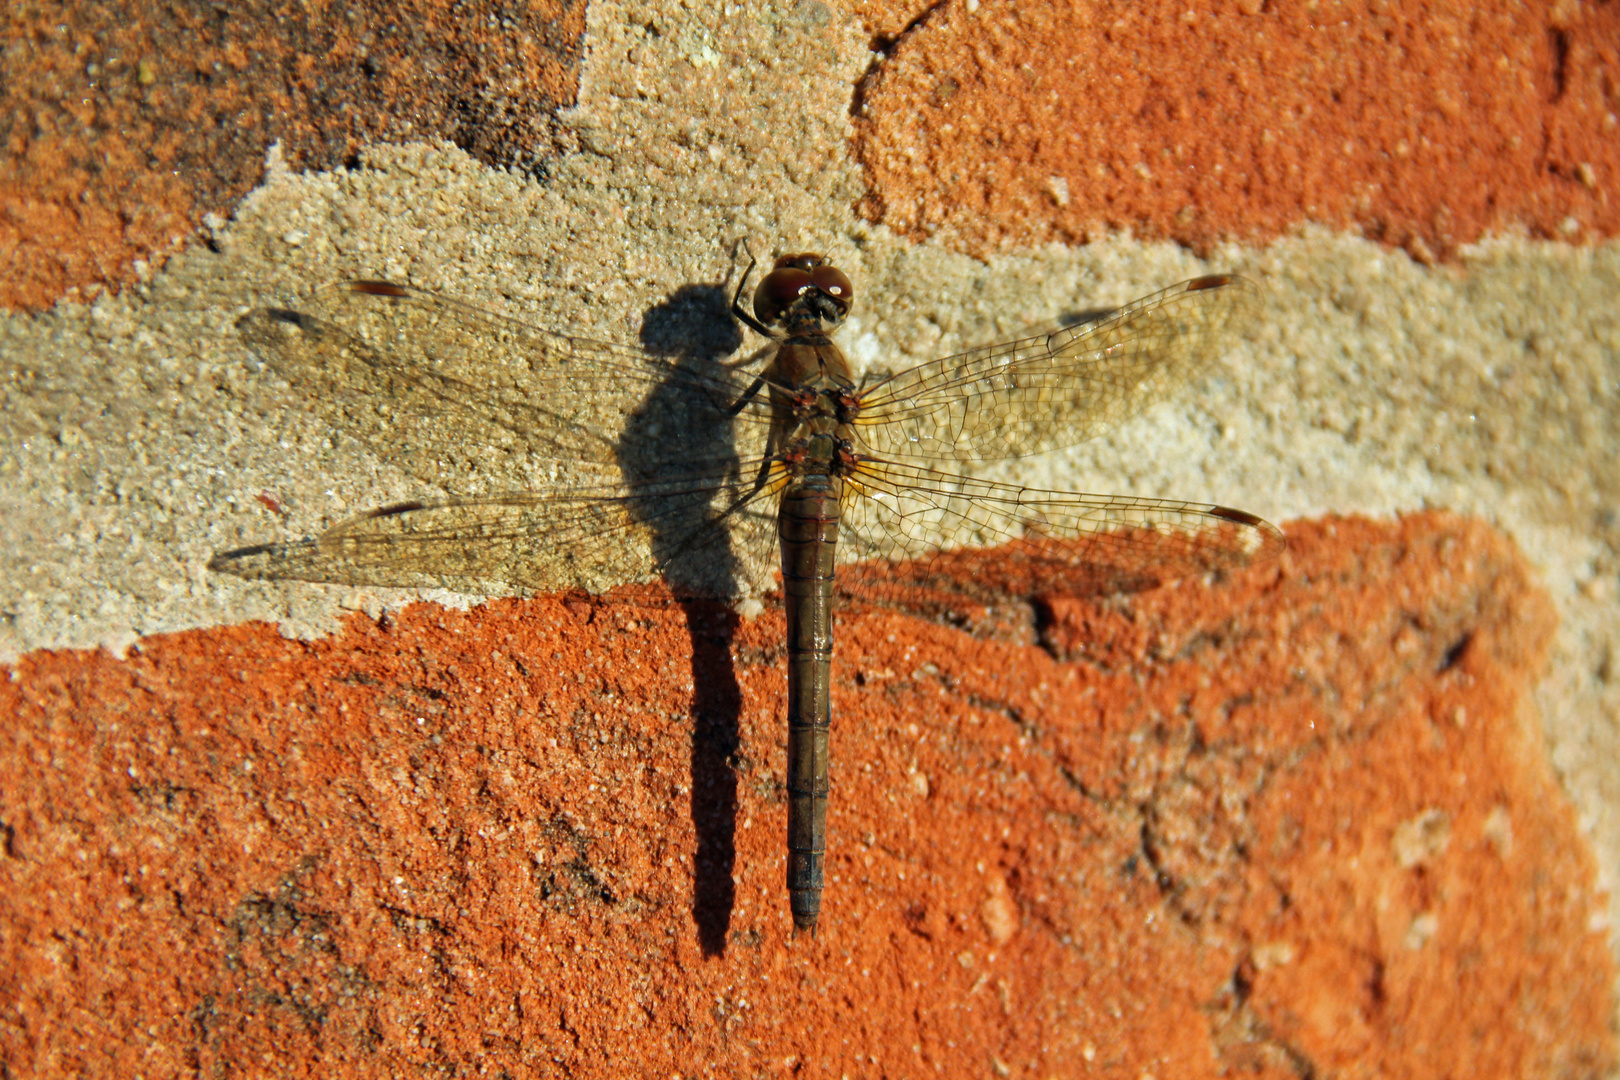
x=831, y=280
x=803, y=277
x=780, y=288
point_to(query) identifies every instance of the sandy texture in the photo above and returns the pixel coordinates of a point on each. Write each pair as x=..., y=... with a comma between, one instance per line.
x=1292, y=824
x=987, y=126
x=125, y=127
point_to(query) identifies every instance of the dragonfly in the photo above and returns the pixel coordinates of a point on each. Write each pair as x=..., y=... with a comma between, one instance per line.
x=779, y=477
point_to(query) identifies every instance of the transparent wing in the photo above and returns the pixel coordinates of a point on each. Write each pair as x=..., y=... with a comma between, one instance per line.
x=706, y=535
x=918, y=528
x=651, y=467
x=451, y=391
x=618, y=465
x=1043, y=393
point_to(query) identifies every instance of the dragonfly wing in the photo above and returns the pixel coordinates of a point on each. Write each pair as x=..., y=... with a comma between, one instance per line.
x=451, y=391
x=709, y=536
x=1049, y=542
x=1043, y=393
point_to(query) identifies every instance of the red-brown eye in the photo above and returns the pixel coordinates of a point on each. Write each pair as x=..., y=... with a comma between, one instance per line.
x=831, y=280
x=780, y=288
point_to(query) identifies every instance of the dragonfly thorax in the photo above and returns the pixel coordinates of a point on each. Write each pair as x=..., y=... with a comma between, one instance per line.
x=838, y=403
x=818, y=446
x=810, y=374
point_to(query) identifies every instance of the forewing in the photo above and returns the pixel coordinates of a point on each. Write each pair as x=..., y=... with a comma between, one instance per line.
x=452, y=392
x=1043, y=393
x=619, y=465
x=915, y=528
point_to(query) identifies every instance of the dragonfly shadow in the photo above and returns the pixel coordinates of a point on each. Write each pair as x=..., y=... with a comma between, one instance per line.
x=695, y=329
x=591, y=466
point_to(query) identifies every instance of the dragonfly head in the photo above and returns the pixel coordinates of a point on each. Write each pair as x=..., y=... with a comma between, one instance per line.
x=803, y=294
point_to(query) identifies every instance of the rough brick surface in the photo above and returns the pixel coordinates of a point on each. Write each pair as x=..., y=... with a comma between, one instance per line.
x=1298, y=822
x=1425, y=126
x=122, y=127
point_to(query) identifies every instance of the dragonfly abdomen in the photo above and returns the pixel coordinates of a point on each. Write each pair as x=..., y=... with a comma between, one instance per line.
x=808, y=524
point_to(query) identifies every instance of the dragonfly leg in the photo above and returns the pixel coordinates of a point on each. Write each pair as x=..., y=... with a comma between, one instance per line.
x=747, y=395
x=743, y=315
x=747, y=497
x=738, y=505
